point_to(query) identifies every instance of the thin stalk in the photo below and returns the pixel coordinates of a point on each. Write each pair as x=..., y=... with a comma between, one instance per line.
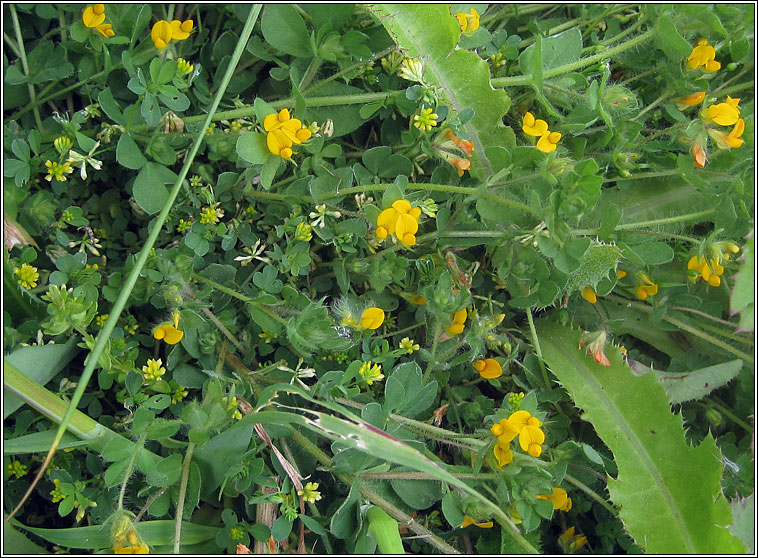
x=240, y=347
x=222, y=288
x=591, y=493
x=349, y=69
x=654, y=222
x=435, y=343
x=706, y=315
x=664, y=96
x=182, y=496
x=131, y=280
x=537, y=348
x=573, y=66
x=129, y=469
x=311, y=72
x=25, y=64
x=730, y=415
x=399, y=331
x=11, y=45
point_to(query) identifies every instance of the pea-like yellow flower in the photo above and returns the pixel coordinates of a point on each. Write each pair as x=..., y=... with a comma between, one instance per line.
x=559, y=498
x=526, y=427
x=125, y=539
x=469, y=22
x=503, y=454
x=645, y=286
x=548, y=142
x=589, y=294
x=93, y=15
x=407, y=344
x=709, y=273
x=401, y=220
x=459, y=320
x=730, y=140
x=488, y=368
x=724, y=114
x=163, y=32
x=570, y=542
x=105, y=30
x=283, y=132
x=372, y=318
x=533, y=127
x=168, y=333
x=703, y=55
x=691, y=100
x=471, y=521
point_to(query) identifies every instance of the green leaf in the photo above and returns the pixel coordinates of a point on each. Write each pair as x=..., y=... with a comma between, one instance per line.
x=166, y=471
x=284, y=29
x=742, y=300
x=384, y=528
x=40, y=442
x=40, y=364
x=150, y=190
x=418, y=494
x=110, y=107
x=268, y=172
x=251, y=146
x=15, y=542
x=667, y=491
x=648, y=253
x=128, y=154
x=686, y=386
x=462, y=77
x=743, y=511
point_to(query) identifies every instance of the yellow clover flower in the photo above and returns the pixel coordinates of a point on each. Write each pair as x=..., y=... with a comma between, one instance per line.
x=560, y=499
x=401, y=220
x=27, y=275
x=709, y=273
x=371, y=372
x=526, y=427
x=153, y=370
x=372, y=318
x=469, y=22
x=489, y=368
x=703, y=55
x=310, y=492
x=407, y=344
x=459, y=319
x=471, y=521
x=426, y=120
x=57, y=170
x=125, y=539
x=724, y=114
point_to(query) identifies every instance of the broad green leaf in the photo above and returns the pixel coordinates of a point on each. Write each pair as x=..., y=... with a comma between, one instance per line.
x=670, y=41
x=284, y=29
x=150, y=190
x=39, y=364
x=669, y=493
x=647, y=253
x=743, y=511
x=128, y=154
x=743, y=294
x=251, y=146
x=462, y=77
x=110, y=107
x=685, y=386
x=626, y=320
x=15, y=542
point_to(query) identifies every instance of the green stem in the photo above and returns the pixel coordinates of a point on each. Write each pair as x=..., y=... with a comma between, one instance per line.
x=591, y=493
x=726, y=411
x=349, y=69
x=573, y=66
x=706, y=315
x=654, y=222
x=240, y=347
x=25, y=64
x=183, y=492
x=399, y=331
x=131, y=280
x=129, y=469
x=222, y=288
x=435, y=343
x=537, y=348
x=310, y=73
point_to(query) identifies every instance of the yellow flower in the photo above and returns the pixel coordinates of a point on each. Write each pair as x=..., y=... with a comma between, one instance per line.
x=548, y=142
x=372, y=318
x=164, y=32
x=211, y=214
x=471, y=521
x=503, y=454
x=100, y=320
x=153, y=370
x=57, y=170
x=93, y=15
x=183, y=67
x=533, y=127
x=27, y=275
x=724, y=114
x=16, y=469
x=63, y=144
x=179, y=394
x=469, y=22
x=710, y=273
x=489, y=368
x=459, y=319
x=589, y=294
x=703, y=55
x=169, y=333
x=645, y=286
x=370, y=372
x=125, y=539
x=56, y=492
x=408, y=345
x=531, y=439
x=569, y=542
x=620, y=273
x=699, y=156
x=426, y=120
x=401, y=220
x=310, y=492
x=412, y=70
x=560, y=499
x=180, y=30
x=526, y=427
x=283, y=132
x=105, y=30
x=730, y=140
x=691, y=100
x=183, y=225
x=304, y=232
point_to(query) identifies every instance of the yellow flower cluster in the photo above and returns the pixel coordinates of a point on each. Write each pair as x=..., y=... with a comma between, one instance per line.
x=407, y=344
x=371, y=372
x=27, y=275
x=538, y=128
x=401, y=220
x=703, y=55
x=58, y=170
x=125, y=539
x=94, y=16
x=710, y=269
x=526, y=427
x=559, y=498
x=284, y=131
x=310, y=492
x=489, y=368
x=153, y=370
x=164, y=32
x=426, y=120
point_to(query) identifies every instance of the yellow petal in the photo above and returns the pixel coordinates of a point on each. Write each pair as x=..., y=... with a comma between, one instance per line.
x=372, y=318
x=403, y=206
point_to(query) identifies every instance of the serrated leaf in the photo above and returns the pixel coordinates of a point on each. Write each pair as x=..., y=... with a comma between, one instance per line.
x=462, y=77
x=686, y=386
x=669, y=493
